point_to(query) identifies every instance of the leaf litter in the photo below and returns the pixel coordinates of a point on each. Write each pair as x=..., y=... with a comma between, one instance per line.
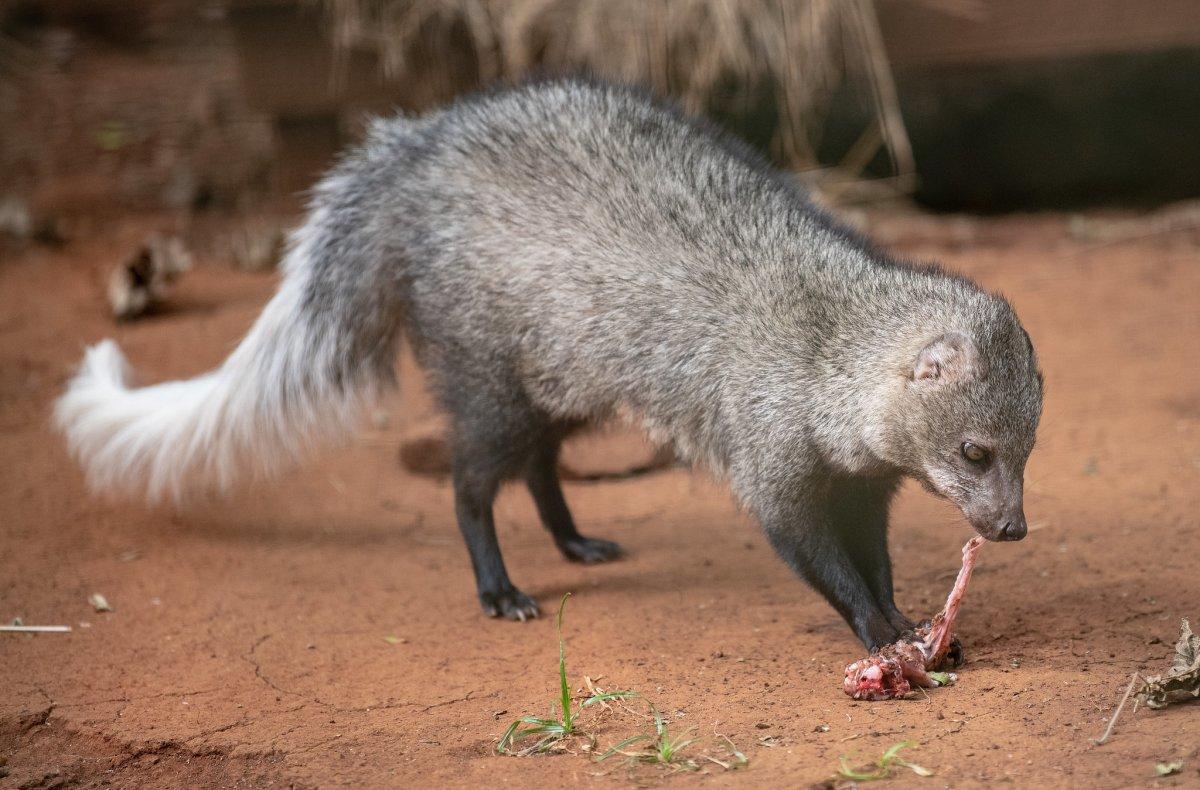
x=1180, y=683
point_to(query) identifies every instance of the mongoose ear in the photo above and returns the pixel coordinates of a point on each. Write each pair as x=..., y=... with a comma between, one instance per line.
x=950, y=357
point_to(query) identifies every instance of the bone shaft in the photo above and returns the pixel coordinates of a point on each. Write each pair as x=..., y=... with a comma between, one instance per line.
x=940, y=633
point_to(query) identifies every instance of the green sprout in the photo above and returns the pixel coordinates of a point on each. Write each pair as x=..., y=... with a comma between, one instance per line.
x=942, y=678
x=551, y=731
x=882, y=768
x=663, y=749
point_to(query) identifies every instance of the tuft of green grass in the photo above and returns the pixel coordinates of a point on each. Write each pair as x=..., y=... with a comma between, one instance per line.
x=530, y=735
x=662, y=749
x=882, y=768
x=943, y=678
x=551, y=731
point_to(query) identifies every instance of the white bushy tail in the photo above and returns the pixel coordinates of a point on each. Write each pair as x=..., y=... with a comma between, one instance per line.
x=291, y=383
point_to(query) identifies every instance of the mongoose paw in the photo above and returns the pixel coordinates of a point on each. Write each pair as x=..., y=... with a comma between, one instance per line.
x=509, y=604
x=900, y=622
x=916, y=634
x=590, y=550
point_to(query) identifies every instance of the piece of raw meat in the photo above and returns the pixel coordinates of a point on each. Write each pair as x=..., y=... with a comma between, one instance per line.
x=892, y=671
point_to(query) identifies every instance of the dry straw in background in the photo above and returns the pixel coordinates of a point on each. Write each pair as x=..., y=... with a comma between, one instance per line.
x=710, y=55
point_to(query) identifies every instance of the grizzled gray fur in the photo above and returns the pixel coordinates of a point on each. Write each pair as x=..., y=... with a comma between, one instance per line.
x=564, y=253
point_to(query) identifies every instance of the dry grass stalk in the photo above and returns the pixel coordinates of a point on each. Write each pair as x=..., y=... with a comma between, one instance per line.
x=710, y=55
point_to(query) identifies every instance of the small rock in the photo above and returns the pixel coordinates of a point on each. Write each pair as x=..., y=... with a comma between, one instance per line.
x=15, y=219
x=99, y=603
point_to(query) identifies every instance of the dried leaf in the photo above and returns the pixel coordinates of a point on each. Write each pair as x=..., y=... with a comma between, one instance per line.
x=1182, y=680
x=1187, y=650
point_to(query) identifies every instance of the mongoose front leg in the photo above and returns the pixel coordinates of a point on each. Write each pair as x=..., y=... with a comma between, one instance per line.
x=858, y=507
x=542, y=480
x=499, y=597
x=803, y=535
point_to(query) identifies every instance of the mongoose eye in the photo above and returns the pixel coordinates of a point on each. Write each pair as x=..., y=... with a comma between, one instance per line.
x=974, y=453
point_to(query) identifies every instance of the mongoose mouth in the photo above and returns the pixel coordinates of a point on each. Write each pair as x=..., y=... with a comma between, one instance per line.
x=1003, y=530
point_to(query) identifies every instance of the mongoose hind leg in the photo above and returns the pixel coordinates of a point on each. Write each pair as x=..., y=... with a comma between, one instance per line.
x=492, y=444
x=474, y=492
x=541, y=477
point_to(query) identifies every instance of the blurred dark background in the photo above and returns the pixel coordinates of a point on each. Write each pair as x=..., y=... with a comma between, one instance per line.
x=115, y=105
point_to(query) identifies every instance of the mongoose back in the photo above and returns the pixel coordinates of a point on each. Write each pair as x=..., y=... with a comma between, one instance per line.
x=566, y=252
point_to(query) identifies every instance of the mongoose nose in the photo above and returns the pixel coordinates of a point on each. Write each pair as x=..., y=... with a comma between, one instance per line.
x=1014, y=530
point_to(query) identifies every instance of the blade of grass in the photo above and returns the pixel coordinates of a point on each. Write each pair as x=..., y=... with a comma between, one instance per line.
x=505, y=743
x=552, y=730
x=892, y=756
x=616, y=748
x=882, y=768
x=919, y=770
x=739, y=758
x=846, y=772
x=515, y=732
x=606, y=696
x=564, y=689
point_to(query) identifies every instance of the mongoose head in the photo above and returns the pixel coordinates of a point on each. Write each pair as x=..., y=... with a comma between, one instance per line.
x=970, y=410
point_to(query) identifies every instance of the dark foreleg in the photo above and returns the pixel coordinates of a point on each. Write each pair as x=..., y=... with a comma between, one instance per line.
x=859, y=511
x=803, y=534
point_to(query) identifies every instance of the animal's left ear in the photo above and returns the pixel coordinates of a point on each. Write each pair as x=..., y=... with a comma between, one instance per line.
x=949, y=357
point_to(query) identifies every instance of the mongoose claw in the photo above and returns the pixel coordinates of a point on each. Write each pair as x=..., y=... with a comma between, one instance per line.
x=509, y=604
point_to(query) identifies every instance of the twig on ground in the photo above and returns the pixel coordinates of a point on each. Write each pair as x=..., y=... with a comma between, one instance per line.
x=1117, y=713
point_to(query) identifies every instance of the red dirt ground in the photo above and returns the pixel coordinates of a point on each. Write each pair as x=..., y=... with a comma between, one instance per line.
x=247, y=646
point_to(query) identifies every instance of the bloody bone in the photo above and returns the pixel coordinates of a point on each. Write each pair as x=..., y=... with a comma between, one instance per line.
x=893, y=670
